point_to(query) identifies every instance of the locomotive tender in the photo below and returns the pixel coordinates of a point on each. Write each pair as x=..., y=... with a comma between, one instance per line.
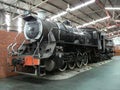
x=56, y=46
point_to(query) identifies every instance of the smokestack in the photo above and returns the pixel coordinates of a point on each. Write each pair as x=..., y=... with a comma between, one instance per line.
x=41, y=14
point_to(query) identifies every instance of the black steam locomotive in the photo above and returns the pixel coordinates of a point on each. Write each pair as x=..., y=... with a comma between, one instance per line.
x=56, y=46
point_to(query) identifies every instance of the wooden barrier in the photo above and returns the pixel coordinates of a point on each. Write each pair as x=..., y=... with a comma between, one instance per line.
x=117, y=50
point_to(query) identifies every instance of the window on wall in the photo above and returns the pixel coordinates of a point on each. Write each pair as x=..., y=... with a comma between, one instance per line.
x=8, y=21
x=116, y=41
x=20, y=25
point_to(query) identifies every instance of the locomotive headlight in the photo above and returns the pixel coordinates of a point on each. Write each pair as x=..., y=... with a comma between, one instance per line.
x=33, y=30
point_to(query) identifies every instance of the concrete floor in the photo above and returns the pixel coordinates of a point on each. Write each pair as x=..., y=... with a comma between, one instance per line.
x=105, y=77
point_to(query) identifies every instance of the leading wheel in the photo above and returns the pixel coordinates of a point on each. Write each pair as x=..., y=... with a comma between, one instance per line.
x=50, y=65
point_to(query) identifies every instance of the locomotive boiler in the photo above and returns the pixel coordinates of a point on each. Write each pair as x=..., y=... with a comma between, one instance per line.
x=56, y=46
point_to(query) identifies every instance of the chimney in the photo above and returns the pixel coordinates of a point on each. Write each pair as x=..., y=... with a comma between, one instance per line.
x=41, y=14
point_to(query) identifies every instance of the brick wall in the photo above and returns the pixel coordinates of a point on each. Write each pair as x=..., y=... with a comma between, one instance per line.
x=5, y=39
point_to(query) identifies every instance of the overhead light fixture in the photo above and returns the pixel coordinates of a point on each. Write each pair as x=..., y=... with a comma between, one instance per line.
x=73, y=9
x=117, y=21
x=110, y=27
x=112, y=34
x=93, y=22
x=82, y=5
x=105, y=30
x=58, y=15
x=112, y=8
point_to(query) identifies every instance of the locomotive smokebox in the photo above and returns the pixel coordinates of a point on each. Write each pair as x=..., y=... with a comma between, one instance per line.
x=33, y=28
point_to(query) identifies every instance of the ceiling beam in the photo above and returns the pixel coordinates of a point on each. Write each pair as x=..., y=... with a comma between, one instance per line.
x=94, y=11
x=79, y=10
x=102, y=6
x=26, y=2
x=64, y=10
x=14, y=6
x=112, y=6
x=82, y=11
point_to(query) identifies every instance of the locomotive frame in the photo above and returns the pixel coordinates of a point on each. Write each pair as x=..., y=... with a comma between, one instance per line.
x=56, y=46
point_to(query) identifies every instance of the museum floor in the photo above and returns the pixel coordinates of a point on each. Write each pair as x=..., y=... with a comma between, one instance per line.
x=104, y=77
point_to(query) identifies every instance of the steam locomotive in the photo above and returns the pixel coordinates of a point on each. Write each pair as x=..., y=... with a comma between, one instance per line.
x=56, y=46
